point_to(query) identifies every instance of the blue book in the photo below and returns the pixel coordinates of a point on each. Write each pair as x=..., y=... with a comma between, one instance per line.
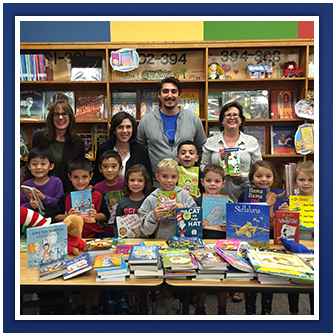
x=77, y=265
x=52, y=269
x=214, y=211
x=120, y=270
x=188, y=222
x=47, y=243
x=81, y=201
x=249, y=222
x=144, y=254
x=255, y=195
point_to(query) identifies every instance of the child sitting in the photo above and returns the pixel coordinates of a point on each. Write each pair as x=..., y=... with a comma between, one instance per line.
x=48, y=188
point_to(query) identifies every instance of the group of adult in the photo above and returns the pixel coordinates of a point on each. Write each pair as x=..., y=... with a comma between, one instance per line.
x=157, y=137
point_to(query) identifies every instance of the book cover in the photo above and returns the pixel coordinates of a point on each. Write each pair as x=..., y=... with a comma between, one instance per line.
x=188, y=222
x=167, y=199
x=144, y=254
x=128, y=226
x=209, y=259
x=107, y=260
x=255, y=195
x=236, y=262
x=229, y=245
x=308, y=259
x=176, y=258
x=149, y=100
x=31, y=104
x=31, y=193
x=259, y=133
x=190, y=100
x=282, y=139
x=46, y=243
x=305, y=206
x=124, y=100
x=283, y=104
x=214, y=105
x=124, y=250
x=304, y=108
x=50, y=97
x=116, y=270
x=214, y=211
x=259, y=104
x=242, y=97
x=189, y=243
x=249, y=222
x=52, y=269
x=85, y=68
x=230, y=160
x=188, y=179
x=77, y=265
x=90, y=107
x=88, y=145
x=82, y=201
x=196, y=73
x=98, y=140
x=112, y=199
x=304, y=139
x=274, y=198
x=286, y=225
x=100, y=245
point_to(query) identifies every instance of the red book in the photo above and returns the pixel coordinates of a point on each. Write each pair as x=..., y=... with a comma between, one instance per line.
x=286, y=225
x=283, y=104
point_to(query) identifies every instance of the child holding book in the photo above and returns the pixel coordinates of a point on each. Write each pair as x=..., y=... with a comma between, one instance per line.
x=150, y=211
x=213, y=181
x=48, y=188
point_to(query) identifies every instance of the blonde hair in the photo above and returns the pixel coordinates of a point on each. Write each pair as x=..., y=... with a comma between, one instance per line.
x=306, y=167
x=167, y=163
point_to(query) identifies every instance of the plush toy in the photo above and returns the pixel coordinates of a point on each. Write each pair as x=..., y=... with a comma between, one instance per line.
x=75, y=228
x=215, y=71
x=30, y=218
x=290, y=70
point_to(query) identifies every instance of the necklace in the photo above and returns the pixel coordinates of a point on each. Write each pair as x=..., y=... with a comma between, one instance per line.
x=122, y=152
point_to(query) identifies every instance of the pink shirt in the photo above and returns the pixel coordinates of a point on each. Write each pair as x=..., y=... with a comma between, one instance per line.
x=103, y=187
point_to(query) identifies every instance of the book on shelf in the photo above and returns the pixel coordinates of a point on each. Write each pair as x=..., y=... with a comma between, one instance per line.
x=190, y=100
x=239, y=263
x=107, y=261
x=82, y=201
x=214, y=211
x=196, y=73
x=214, y=105
x=305, y=206
x=90, y=107
x=98, y=140
x=128, y=226
x=50, y=97
x=286, y=225
x=31, y=193
x=249, y=222
x=188, y=179
x=88, y=145
x=144, y=254
x=167, y=199
x=77, y=265
x=213, y=130
x=46, y=243
x=124, y=101
x=52, y=269
x=210, y=259
x=282, y=139
x=188, y=222
x=241, y=97
x=255, y=195
x=304, y=139
x=259, y=104
x=283, y=104
x=149, y=100
x=31, y=104
x=86, y=68
x=229, y=245
x=259, y=133
x=33, y=67
x=230, y=160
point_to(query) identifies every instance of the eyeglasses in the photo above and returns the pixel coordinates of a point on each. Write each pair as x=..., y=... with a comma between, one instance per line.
x=234, y=115
x=173, y=91
x=57, y=115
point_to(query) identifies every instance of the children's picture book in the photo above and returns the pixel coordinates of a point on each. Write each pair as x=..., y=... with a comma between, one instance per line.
x=162, y=245
x=128, y=226
x=304, y=139
x=242, y=97
x=189, y=243
x=31, y=104
x=190, y=100
x=86, y=68
x=31, y=193
x=50, y=97
x=255, y=195
x=305, y=206
x=283, y=104
x=188, y=222
x=98, y=140
x=274, y=198
x=144, y=254
x=82, y=201
x=46, y=243
x=282, y=139
x=214, y=211
x=52, y=269
x=100, y=245
x=117, y=270
x=188, y=179
x=304, y=108
x=249, y=222
x=107, y=260
x=125, y=59
x=214, y=105
x=90, y=107
x=124, y=100
x=308, y=258
x=236, y=262
x=124, y=250
x=286, y=225
x=210, y=259
x=229, y=245
x=259, y=133
x=176, y=258
x=88, y=145
x=149, y=101
x=112, y=199
x=259, y=104
x=230, y=160
x=167, y=199
x=77, y=265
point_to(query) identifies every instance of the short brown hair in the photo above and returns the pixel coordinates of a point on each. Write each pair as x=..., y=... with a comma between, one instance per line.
x=215, y=168
x=138, y=168
x=306, y=167
x=263, y=164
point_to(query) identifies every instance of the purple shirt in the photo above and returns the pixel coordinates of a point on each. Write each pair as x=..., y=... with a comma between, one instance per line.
x=103, y=187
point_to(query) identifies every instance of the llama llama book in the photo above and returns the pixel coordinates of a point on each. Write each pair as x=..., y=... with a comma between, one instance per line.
x=82, y=201
x=255, y=195
x=188, y=222
x=230, y=160
x=167, y=199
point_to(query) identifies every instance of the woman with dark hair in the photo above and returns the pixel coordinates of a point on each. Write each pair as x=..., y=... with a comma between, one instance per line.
x=123, y=134
x=61, y=138
x=231, y=121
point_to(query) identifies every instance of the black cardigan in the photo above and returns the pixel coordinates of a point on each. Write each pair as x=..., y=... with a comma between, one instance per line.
x=71, y=150
x=138, y=155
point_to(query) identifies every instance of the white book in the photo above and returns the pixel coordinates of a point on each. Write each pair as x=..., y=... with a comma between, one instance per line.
x=31, y=193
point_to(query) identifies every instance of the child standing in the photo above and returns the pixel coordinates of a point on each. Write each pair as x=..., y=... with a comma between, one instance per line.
x=150, y=212
x=213, y=181
x=48, y=188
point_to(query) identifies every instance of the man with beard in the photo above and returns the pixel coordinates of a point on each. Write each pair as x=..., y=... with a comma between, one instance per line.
x=163, y=129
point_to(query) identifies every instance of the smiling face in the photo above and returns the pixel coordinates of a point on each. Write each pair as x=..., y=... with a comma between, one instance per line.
x=60, y=118
x=136, y=183
x=167, y=178
x=231, y=119
x=305, y=183
x=110, y=169
x=169, y=96
x=40, y=167
x=212, y=183
x=124, y=131
x=263, y=178
x=80, y=179
x=187, y=156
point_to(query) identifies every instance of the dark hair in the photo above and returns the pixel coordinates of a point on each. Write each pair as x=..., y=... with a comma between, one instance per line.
x=263, y=164
x=80, y=163
x=110, y=154
x=172, y=80
x=50, y=132
x=138, y=168
x=42, y=153
x=225, y=108
x=116, y=121
x=185, y=142
x=215, y=168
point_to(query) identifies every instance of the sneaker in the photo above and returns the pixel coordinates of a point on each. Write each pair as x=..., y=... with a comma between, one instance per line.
x=122, y=306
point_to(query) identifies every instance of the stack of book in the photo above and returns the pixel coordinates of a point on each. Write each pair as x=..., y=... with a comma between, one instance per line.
x=101, y=246
x=77, y=265
x=179, y=264
x=236, y=275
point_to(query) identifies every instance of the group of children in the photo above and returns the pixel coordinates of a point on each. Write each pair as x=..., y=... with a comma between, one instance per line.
x=139, y=197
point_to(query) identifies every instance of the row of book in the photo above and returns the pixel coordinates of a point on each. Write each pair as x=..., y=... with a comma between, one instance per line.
x=35, y=67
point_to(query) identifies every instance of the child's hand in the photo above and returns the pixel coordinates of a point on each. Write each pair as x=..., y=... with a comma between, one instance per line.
x=73, y=211
x=159, y=211
x=236, y=176
x=33, y=203
x=175, y=206
x=283, y=207
x=198, y=195
x=223, y=226
x=92, y=213
x=39, y=194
